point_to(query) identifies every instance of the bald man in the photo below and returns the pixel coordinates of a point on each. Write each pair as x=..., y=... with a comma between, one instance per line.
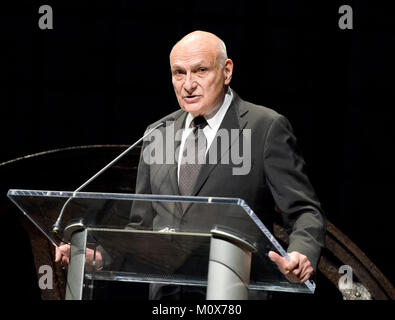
x=201, y=75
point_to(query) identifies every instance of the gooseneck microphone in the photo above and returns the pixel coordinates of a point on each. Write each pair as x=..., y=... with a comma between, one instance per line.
x=56, y=226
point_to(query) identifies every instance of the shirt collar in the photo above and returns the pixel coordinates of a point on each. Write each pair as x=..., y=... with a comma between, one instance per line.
x=215, y=116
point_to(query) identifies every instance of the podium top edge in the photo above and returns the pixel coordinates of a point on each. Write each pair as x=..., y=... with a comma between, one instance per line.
x=120, y=196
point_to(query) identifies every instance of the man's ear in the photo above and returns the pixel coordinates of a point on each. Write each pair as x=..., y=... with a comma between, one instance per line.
x=228, y=71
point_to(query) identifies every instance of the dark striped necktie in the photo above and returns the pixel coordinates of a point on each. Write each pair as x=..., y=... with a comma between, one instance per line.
x=193, y=157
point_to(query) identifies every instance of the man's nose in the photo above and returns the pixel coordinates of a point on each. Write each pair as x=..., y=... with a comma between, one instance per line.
x=190, y=83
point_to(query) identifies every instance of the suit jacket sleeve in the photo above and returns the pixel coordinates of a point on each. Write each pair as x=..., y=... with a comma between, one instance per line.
x=141, y=215
x=292, y=192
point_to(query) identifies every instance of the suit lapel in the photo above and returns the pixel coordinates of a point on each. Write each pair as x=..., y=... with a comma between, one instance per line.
x=234, y=119
x=178, y=125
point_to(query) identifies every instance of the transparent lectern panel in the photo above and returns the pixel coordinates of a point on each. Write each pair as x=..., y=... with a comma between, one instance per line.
x=169, y=258
x=156, y=238
x=135, y=256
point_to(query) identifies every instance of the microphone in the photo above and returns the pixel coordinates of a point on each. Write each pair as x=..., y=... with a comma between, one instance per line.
x=56, y=228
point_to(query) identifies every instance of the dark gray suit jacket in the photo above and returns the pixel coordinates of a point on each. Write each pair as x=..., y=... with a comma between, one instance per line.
x=277, y=178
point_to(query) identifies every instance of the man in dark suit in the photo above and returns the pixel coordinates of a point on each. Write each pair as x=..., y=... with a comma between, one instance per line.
x=275, y=176
x=272, y=173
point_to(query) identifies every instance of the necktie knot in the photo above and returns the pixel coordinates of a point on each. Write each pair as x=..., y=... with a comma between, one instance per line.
x=199, y=122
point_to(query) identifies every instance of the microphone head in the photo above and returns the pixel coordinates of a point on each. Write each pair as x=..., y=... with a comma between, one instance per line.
x=56, y=228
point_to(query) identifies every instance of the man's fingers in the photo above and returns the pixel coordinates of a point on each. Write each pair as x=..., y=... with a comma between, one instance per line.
x=277, y=259
x=65, y=260
x=305, y=270
x=65, y=249
x=292, y=264
x=58, y=254
x=305, y=278
x=297, y=271
x=303, y=266
x=306, y=274
x=280, y=261
x=61, y=252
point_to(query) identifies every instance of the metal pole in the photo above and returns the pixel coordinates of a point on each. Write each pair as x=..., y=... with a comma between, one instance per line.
x=229, y=267
x=75, y=272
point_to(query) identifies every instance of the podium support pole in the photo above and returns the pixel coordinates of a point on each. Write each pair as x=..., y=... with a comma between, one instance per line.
x=75, y=272
x=229, y=267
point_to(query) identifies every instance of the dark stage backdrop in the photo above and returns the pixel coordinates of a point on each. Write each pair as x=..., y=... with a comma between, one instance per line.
x=102, y=75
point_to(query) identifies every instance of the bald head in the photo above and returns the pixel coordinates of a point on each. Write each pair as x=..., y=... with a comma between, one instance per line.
x=202, y=39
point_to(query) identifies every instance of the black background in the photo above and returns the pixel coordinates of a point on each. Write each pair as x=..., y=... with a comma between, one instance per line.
x=102, y=75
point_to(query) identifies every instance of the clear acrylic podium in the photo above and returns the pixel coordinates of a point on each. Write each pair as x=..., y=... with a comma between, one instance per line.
x=216, y=244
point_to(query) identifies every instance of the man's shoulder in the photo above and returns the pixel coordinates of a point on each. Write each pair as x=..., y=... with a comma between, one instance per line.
x=262, y=111
x=256, y=112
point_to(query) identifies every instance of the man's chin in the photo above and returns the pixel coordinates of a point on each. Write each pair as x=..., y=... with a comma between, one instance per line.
x=193, y=108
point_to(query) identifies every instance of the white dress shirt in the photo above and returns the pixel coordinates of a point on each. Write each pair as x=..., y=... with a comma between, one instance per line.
x=214, y=121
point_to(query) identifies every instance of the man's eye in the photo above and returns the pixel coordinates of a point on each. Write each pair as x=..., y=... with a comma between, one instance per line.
x=202, y=69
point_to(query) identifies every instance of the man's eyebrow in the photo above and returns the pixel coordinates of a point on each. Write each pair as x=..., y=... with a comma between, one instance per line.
x=176, y=66
x=194, y=65
x=198, y=64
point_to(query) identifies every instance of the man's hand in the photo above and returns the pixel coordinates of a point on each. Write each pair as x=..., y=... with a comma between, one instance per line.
x=62, y=255
x=297, y=270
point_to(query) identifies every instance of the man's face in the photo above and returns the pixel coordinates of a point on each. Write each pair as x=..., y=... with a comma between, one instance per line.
x=198, y=78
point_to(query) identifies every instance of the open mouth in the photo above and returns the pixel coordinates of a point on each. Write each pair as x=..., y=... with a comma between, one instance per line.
x=191, y=98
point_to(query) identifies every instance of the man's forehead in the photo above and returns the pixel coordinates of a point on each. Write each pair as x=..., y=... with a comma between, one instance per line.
x=192, y=57
x=192, y=62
